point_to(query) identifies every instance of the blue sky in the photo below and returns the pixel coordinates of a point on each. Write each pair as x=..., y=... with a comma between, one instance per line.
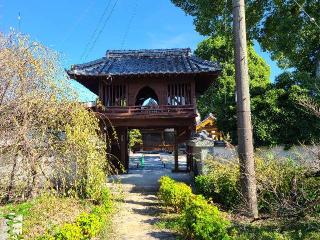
x=67, y=26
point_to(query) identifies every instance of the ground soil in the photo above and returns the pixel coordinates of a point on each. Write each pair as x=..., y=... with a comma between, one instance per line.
x=139, y=208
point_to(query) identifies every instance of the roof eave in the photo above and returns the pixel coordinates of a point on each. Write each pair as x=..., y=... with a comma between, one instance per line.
x=71, y=73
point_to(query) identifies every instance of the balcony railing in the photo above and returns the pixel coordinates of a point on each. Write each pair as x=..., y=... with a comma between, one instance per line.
x=150, y=111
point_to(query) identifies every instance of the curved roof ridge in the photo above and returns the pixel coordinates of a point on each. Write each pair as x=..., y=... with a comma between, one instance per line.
x=88, y=64
x=148, y=52
x=204, y=63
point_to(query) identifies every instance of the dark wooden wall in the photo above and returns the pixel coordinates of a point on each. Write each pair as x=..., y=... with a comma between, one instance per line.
x=123, y=91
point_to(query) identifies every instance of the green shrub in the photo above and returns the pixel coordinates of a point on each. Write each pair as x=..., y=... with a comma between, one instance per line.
x=90, y=225
x=203, y=221
x=199, y=219
x=204, y=186
x=86, y=225
x=69, y=231
x=135, y=138
x=282, y=186
x=221, y=184
x=312, y=236
x=261, y=235
x=272, y=236
x=174, y=194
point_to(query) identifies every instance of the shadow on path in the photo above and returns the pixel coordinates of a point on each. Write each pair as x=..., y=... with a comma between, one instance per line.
x=139, y=213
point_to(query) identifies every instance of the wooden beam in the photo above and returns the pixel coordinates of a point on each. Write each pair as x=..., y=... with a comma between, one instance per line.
x=176, y=152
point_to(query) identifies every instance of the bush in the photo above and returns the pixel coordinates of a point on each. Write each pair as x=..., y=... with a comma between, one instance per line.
x=221, y=184
x=201, y=220
x=283, y=186
x=90, y=225
x=174, y=194
x=68, y=231
x=135, y=139
x=313, y=236
x=86, y=225
x=263, y=235
x=66, y=147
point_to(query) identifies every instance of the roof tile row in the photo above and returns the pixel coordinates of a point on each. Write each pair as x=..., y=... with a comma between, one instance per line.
x=130, y=62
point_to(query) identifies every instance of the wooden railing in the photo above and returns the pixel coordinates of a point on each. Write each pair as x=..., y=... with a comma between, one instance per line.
x=150, y=111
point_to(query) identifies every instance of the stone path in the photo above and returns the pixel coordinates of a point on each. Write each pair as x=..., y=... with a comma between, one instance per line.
x=139, y=212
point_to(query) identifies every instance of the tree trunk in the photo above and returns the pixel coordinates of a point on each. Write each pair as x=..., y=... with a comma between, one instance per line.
x=245, y=142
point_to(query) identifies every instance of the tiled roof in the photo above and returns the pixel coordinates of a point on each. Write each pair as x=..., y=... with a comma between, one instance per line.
x=158, y=61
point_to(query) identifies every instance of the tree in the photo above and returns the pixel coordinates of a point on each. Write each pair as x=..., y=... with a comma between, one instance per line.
x=288, y=29
x=220, y=98
x=296, y=125
x=214, y=18
x=48, y=140
x=276, y=115
x=135, y=138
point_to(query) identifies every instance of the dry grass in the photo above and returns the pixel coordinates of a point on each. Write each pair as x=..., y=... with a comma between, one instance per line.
x=47, y=212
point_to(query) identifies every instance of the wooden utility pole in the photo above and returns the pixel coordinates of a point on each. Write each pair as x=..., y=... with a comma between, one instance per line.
x=245, y=142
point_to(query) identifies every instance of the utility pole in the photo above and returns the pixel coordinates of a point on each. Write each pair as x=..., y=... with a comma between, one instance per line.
x=245, y=142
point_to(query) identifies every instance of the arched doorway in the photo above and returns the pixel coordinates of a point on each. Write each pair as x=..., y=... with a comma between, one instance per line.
x=147, y=97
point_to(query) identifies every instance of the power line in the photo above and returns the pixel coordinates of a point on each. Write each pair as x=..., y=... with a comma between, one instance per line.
x=102, y=28
x=96, y=29
x=134, y=13
x=311, y=18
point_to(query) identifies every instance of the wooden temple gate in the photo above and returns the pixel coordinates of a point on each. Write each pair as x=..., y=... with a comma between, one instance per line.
x=147, y=89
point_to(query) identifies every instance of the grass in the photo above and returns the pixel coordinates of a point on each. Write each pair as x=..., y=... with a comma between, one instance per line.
x=293, y=229
x=47, y=212
x=271, y=229
x=169, y=221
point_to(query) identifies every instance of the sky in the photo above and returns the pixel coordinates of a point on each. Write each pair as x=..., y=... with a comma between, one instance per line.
x=70, y=26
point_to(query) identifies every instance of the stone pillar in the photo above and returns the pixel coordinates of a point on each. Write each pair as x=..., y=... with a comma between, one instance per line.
x=200, y=151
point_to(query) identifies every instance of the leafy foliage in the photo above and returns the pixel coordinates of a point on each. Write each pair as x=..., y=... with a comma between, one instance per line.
x=276, y=114
x=221, y=185
x=220, y=98
x=215, y=17
x=135, y=138
x=48, y=140
x=283, y=185
x=85, y=226
x=174, y=194
x=68, y=231
x=277, y=229
x=198, y=219
x=286, y=31
x=283, y=28
x=201, y=220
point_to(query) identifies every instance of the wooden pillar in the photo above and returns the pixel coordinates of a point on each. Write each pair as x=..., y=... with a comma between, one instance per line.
x=119, y=150
x=189, y=152
x=189, y=158
x=124, y=158
x=176, y=152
